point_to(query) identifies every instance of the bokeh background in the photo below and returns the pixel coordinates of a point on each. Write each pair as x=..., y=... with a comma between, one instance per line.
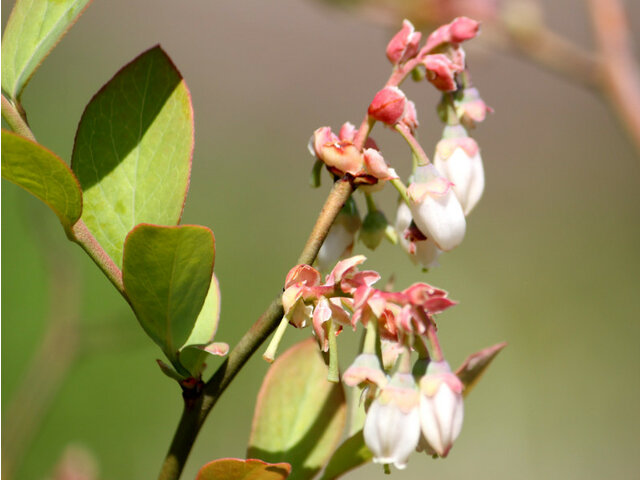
x=550, y=263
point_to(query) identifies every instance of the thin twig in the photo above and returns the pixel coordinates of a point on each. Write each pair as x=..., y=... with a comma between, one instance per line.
x=195, y=412
x=15, y=120
x=79, y=234
x=620, y=71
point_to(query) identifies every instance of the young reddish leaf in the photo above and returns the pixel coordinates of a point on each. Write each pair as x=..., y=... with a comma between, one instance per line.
x=33, y=29
x=43, y=174
x=475, y=365
x=132, y=153
x=237, y=469
x=351, y=454
x=299, y=416
x=166, y=274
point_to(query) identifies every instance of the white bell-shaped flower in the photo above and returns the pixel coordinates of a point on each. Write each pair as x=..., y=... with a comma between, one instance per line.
x=435, y=209
x=392, y=427
x=422, y=252
x=441, y=407
x=458, y=158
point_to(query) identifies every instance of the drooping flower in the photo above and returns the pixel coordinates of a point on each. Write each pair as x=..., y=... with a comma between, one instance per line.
x=441, y=407
x=392, y=427
x=435, y=209
x=422, y=250
x=458, y=158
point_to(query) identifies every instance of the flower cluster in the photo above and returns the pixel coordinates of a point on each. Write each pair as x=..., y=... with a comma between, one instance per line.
x=431, y=217
x=413, y=399
x=412, y=409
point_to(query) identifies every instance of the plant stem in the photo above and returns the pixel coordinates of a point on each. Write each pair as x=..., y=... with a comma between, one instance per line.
x=79, y=233
x=194, y=414
x=17, y=123
x=620, y=73
x=83, y=237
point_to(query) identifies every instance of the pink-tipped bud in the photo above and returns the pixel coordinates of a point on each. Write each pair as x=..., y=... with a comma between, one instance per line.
x=441, y=72
x=388, y=105
x=462, y=29
x=404, y=44
x=455, y=32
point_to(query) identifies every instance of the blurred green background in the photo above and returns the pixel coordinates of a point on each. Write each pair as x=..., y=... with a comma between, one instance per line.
x=550, y=263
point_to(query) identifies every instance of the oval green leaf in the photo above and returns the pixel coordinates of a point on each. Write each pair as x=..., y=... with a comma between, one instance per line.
x=132, y=153
x=237, y=469
x=350, y=454
x=43, y=174
x=166, y=274
x=475, y=365
x=33, y=29
x=299, y=416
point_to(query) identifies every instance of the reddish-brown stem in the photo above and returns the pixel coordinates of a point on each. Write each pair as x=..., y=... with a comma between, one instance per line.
x=620, y=71
x=13, y=117
x=196, y=410
x=83, y=237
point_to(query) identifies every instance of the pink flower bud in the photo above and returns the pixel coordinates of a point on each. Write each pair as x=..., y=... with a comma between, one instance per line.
x=458, y=158
x=388, y=105
x=441, y=407
x=441, y=72
x=404, y=44
x=457, y=31
x=462, y=29
x=435, y=209
x=392, y=427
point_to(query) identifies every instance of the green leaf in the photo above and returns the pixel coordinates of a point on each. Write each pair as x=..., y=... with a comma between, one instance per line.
x=198, y=346
x=237, y=469
x=132, y=153
x=43, y=174
x=299, y=416
x=166, y=274
x=475, y=365
x=351, y=454
x=33, y=29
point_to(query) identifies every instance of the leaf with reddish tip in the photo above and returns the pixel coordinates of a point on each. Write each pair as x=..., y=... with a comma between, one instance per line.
x=43, y=174
x=167, y=273
x=351, y=454
x=299, y=415
x=475, y=365
x=133, y=147
x=33, y=29
x=237, y=469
